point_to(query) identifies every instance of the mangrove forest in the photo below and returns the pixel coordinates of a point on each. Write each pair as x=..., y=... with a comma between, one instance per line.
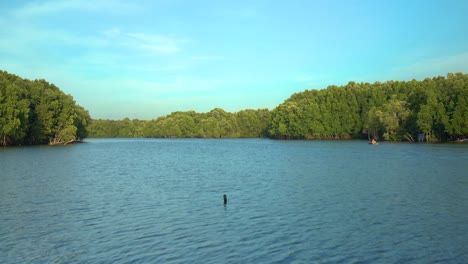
x=37, y=112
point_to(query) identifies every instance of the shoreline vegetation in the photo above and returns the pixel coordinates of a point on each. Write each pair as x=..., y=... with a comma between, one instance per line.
x=432, y=110
x=37, y=112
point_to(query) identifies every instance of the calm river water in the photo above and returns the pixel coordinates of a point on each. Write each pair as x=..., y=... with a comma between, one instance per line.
x=161, y=201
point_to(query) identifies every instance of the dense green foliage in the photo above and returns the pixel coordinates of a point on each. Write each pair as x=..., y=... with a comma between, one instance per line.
x=392, y=110
x=36, y=112
x=215, y=124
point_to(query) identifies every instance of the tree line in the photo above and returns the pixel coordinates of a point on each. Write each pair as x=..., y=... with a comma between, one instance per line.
x=214, y=124
x=37, y=112
x=394, y=110
x=436, y=108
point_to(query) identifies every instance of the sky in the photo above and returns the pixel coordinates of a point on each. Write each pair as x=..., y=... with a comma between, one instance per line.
x=147, y=58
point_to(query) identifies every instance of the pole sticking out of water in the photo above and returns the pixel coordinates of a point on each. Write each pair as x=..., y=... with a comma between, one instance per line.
x=225, y=199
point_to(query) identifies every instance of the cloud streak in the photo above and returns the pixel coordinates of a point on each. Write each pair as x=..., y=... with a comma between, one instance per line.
x=42, y=8
x=152, y=43
x=433, y=66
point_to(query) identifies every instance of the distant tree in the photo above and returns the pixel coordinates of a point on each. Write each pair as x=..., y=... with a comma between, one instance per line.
x=14, y=110
x=395, y=113
x=373, y=125
x=253, y=123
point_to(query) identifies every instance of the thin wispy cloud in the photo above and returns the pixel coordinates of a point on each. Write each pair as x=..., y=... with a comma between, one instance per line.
x=153, y=44
x=437, y=65
x=159, y=48
x=173, y=87
x=112, y=32
x=208, y=58
x=40, y=8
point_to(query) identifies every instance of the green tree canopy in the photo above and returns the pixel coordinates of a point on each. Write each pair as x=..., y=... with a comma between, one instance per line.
x=37, y=112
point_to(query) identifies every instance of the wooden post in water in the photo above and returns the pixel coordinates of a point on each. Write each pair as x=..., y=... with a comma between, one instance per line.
x=225, y=199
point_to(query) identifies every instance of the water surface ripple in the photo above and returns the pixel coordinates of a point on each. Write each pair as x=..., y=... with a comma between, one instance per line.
x=160, y=201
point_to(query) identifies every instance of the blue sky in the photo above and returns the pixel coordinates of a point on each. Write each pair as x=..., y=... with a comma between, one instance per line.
x=144, y=59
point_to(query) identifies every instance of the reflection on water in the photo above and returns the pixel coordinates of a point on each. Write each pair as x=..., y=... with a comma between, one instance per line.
x=161, y=201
